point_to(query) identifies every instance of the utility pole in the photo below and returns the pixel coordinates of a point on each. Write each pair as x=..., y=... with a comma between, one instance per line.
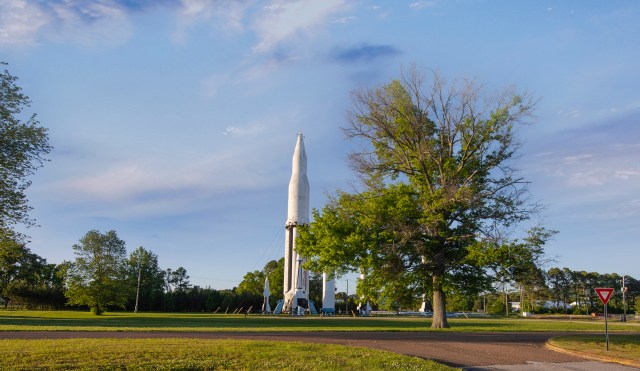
x=347, y=307
x=484, y=303
x=624, y=300
x=521, y=301
x=135, y=310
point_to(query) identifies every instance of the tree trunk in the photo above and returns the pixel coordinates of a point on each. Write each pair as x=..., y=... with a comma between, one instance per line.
x=439, y=304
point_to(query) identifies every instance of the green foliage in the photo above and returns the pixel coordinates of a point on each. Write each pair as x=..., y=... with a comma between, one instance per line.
x=275, y=272
x=26, y=280
x=578, y=287
x=145, y=275
x=23, y=147
x=252, y=283
x=97, y=278
x=176, y=280
x=496, y=304
x=437, y=179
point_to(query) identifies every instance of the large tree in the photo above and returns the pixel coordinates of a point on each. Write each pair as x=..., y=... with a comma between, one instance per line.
x=435, y=163
x=97, y=278
x=23, y=146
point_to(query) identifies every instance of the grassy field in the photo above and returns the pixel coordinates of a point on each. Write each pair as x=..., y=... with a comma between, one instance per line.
x=199, y=354
x=625, y=347
x=120, y=321
x=190, y=354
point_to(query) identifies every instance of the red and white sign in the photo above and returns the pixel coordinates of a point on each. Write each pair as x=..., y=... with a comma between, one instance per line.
x=604, y=294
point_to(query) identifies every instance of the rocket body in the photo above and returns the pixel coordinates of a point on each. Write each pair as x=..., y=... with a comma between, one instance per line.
x=328, y=293
x=296, y=279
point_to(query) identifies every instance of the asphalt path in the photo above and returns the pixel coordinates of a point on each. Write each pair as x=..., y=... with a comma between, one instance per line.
x=468, y=350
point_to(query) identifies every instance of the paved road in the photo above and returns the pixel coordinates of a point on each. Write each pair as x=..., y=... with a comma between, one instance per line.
x=470, y=350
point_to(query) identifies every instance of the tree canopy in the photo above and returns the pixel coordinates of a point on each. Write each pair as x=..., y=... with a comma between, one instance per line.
x=436, y=166
x=145, y=274
x=23, y=147
x=97, y=278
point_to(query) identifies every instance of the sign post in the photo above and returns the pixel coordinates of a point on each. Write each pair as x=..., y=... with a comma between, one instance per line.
x=605, y=294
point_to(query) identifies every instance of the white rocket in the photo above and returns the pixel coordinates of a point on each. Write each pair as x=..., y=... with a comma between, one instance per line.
x=296, y=279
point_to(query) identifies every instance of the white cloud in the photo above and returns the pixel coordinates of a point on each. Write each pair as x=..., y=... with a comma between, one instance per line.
x=228, y=15
x=344, y=20
x=628, y=210
x=85, y=22
x=92, y=23
x=250, y=131
x=577, y=158
x=422, y=4
x=284, y=20
x=139, y=188
x=20, y=22
x=572, y=112
x=608, y=166
x=626, y=173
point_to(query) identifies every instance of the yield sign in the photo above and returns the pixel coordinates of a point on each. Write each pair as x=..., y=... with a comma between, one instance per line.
x=604, y=294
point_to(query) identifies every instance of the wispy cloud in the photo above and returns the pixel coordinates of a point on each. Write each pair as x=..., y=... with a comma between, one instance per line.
x=627, y=210
x=284, y=20
x=417, y=5
x=592, y=168
x=344, y=20
x=248, y=131
x=20, y=22
x=364, y=52
x=154, y=188
x=227, y=15
x=106, y=22
x=585, y=170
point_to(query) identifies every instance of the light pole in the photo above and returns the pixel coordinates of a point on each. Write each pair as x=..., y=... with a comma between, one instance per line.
x=624, y=300
x=484, y=303
x=347, y=299
x=135, y=310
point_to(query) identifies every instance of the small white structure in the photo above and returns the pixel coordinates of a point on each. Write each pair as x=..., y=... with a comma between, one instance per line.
x=328, y=294
x=364, y=309
x=266, y=308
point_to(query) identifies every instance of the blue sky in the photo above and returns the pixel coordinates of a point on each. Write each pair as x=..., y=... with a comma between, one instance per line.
x=174, y=122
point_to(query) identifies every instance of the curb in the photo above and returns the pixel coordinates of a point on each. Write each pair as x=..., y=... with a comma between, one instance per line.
x=594, y=357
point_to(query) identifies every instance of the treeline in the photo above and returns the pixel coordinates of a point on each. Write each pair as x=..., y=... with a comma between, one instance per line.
x=136, y=282
x=558, y=290
x=132, y=282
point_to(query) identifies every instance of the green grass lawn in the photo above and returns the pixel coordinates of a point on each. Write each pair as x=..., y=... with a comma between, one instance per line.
x=120, y=321
x=142, y=354
x=198, y=354
x=625, y=347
